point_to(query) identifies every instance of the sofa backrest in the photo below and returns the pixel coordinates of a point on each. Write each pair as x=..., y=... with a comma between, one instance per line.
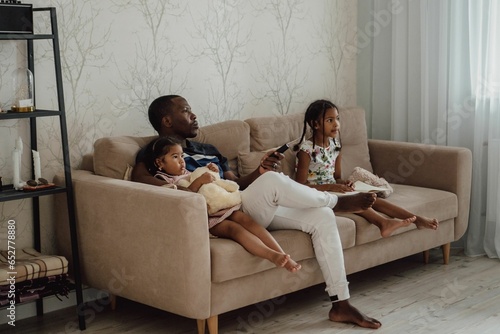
x=354, y=138
x=243, y=143
x=115, y=156
x=230, y=138
x=271, y=132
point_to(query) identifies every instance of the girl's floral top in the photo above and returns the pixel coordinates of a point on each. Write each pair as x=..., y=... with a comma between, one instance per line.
x=322, y=164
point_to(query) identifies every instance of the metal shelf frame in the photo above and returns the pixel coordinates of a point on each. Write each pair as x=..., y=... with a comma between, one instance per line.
x=9, y=194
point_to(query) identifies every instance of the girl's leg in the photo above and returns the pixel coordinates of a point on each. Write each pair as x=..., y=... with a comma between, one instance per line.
x=395, y=211
x=263, y=234
x=232, y=230
x=386, y=225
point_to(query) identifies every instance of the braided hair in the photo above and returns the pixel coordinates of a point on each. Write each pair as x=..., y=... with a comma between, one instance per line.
x=315, y=112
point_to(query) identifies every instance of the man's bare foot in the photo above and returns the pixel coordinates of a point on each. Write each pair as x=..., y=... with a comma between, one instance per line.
x=280, y=259
x=292, y=266
x=424, y=222
x=343, y=311
x=355, y=203
x=388, y=226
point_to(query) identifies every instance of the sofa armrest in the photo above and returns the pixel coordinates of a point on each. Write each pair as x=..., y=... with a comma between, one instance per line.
x=430, y=166
x=143, y=242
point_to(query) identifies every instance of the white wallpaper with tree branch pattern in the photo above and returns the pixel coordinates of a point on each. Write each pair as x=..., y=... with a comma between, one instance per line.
x=231, y=59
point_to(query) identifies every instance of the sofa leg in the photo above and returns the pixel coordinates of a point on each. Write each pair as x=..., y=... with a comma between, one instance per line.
x=201, y=323
x=213, y=325
x=446, y=252
x=426, y=254
x=112, y=302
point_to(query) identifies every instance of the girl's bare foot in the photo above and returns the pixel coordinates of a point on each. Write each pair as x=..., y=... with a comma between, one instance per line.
x=424, y=222
x=280, y=259
x=388, y=226
x=355, y=203
x=343, y=311
x=292, y=266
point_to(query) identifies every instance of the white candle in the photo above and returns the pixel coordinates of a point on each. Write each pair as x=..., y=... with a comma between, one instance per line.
x=15, y=163
x=19, y=146
x=36, y=165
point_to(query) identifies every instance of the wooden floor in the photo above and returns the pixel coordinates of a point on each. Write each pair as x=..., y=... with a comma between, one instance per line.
x=406, y=296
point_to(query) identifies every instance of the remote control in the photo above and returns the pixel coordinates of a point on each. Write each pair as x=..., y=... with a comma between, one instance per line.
x=283, y=149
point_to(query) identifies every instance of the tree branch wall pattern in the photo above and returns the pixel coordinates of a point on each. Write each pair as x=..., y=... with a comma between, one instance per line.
x=231, y=59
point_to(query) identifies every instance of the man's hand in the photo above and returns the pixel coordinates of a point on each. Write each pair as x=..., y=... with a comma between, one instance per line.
x=270, y=162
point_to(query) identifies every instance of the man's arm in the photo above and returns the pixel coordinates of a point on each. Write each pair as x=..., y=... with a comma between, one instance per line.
x=244, y=181
x=140, y=174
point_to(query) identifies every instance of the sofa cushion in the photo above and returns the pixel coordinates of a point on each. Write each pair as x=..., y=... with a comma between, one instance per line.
x=354, y=138
x=87, y=162
x=249, y=161
x=267, y=132
x=427, y=202
x=229, y=137
x=230, y=260
x=112, y=155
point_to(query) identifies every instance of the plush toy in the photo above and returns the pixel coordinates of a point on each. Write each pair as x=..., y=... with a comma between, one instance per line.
x=220, y=194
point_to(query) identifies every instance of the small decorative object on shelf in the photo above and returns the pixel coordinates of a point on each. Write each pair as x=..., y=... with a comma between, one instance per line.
x=16, y=162
x=39, y=184
x=36, y=164
x=22, y=84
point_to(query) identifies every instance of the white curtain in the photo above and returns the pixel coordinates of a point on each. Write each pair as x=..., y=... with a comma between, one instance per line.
x=436, y=79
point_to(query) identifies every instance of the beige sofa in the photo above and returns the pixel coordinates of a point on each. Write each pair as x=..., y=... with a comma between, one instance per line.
x=151, y=244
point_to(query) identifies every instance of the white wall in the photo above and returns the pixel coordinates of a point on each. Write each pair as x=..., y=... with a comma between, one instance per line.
x=230, y=59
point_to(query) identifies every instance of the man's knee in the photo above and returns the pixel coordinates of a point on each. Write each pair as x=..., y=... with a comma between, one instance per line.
x=272, y=179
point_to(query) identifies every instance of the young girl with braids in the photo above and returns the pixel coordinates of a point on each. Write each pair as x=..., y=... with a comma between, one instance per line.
x=319, y=166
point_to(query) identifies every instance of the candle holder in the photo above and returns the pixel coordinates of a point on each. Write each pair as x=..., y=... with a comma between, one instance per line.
x=22, y=84
x=39, y=184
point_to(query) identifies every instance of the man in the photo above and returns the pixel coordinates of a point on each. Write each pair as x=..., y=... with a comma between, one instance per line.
x=272, y=199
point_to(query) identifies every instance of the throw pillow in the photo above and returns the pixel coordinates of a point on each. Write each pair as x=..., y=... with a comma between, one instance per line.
x=249, y=161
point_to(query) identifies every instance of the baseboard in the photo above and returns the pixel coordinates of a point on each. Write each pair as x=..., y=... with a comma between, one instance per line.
x=50, y=304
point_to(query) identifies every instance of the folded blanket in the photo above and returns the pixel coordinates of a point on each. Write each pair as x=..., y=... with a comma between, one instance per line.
x=30, y=264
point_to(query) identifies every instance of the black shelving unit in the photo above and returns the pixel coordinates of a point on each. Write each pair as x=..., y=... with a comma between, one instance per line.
x=10, y=194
